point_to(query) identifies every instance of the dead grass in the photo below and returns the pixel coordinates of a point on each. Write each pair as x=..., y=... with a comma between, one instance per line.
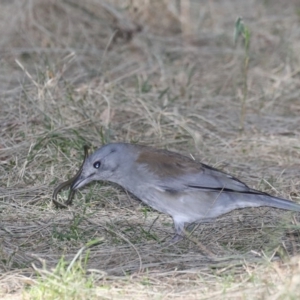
x=75, y=74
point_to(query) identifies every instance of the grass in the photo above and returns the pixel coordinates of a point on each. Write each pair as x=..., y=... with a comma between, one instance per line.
x=68, y=280
x=68, y=79
x=63, y=283
x=242, y=30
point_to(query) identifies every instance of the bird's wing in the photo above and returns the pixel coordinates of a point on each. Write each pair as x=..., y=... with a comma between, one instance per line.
x=207, y=179
x=174, y=172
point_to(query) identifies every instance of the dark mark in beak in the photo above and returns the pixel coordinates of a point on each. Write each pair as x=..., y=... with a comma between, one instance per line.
x=71, y=182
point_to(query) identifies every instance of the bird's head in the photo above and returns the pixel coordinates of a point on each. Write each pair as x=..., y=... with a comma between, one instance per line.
x=103, y=164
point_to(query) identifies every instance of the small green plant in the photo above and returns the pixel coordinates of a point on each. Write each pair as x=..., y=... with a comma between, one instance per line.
x=67, y=280
x=241, y=30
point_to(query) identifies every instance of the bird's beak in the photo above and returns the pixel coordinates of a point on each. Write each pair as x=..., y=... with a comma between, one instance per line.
x=78, y=182
x=81, y=181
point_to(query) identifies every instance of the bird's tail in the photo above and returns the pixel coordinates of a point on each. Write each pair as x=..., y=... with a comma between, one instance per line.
x=280, y=203
x=262, y=199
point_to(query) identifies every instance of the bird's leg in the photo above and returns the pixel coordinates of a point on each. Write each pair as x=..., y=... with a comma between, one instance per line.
x=179, y=232
x=182, y=233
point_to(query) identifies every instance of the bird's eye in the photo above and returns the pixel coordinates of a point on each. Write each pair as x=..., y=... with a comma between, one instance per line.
x=97, y=164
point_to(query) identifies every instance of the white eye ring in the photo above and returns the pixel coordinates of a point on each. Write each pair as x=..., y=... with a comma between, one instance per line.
x=97, y=164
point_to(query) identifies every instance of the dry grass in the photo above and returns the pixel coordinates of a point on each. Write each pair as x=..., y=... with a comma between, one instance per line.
x=75, y=74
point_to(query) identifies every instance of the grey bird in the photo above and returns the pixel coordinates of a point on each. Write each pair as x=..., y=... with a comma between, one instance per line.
x=187, y=190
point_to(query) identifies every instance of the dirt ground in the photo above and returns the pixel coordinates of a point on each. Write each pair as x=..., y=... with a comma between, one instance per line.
x=162, y=73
